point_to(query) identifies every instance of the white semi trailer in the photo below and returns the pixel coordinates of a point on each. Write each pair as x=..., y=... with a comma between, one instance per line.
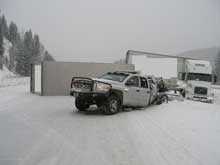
x=194, y=76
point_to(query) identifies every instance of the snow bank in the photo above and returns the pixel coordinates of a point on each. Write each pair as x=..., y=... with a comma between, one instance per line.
x=5, y=73
x=7, y=78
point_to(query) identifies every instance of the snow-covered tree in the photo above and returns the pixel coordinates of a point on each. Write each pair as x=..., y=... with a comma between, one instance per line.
x=48, y=57
x=12, y=57
x=28, y=52
x=1, y=46
x=25, y=48
x=13, y=33
x=36, y=57
x=217, y=66
x=4, y=27
x=20, y=59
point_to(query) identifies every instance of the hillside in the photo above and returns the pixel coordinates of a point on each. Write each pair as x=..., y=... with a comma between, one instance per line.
x=210, y=54
x=7, y=77
x=18, y=50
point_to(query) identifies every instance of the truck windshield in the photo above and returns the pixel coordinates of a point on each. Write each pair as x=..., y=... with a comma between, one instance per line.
x=199, y=77
x=120, y=77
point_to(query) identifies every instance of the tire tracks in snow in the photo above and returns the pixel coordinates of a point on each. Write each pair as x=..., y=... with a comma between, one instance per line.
x=166, y=141
x=49, y=148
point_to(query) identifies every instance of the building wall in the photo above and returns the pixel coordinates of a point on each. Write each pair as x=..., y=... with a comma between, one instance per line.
x=56, y=76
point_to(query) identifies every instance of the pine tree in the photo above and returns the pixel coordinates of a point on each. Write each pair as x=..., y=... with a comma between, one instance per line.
x=1, y=46
x=24, y=54
x=26, y=48
x=48, y=57
x=20, y=59
x=14, y=38
x=36, y=49
x=217, y=66
x=4, y=27
x=12, y=55
x=28, y=52
x=13, y=33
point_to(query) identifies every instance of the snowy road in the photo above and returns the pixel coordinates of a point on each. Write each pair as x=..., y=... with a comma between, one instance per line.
x=37, y=130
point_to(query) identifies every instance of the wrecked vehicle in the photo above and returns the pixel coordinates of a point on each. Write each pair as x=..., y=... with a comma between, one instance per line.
x=112, y=91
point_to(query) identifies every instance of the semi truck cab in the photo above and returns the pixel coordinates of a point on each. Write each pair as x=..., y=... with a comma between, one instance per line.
x=197, y=80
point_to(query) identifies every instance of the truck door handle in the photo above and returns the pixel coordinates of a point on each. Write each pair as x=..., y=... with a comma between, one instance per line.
x=138, y=90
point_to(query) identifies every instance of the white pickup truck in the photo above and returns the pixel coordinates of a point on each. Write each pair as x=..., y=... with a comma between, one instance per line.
x=112, y=91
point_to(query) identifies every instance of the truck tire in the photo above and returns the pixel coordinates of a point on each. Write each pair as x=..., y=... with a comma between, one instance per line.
x=112, y=105
x=161, y=99
x=80, y=104
x=183, y=93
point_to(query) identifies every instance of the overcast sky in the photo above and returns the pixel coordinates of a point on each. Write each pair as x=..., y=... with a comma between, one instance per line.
x=103, y=30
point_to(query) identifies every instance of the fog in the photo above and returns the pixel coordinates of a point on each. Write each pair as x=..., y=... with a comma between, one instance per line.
x=101, y=30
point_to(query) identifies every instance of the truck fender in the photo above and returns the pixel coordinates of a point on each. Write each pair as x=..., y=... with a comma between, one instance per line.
x=118, y=93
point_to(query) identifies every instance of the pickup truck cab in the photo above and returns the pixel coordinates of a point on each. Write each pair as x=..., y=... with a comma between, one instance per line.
x=112, y=91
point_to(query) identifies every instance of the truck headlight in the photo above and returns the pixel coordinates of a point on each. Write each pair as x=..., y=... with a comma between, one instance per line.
x=102, y=87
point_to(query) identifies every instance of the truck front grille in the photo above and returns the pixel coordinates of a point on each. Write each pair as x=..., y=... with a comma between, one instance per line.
x=201, y=90
x=82, y=85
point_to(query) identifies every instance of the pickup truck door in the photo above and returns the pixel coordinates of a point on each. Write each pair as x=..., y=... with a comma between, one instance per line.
x=145, y=92
x=132, y=93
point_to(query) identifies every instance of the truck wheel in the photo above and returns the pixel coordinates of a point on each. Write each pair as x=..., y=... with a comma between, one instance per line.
x=164, y=99
x=183, y=93
x=80, y=104
x=112, y=105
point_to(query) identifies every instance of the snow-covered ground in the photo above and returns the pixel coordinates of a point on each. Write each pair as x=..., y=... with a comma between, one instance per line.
x=36, y=130
x=7, y=78
x=5, y=74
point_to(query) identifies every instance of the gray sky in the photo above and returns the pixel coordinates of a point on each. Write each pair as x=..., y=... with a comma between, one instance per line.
x=103, y=30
